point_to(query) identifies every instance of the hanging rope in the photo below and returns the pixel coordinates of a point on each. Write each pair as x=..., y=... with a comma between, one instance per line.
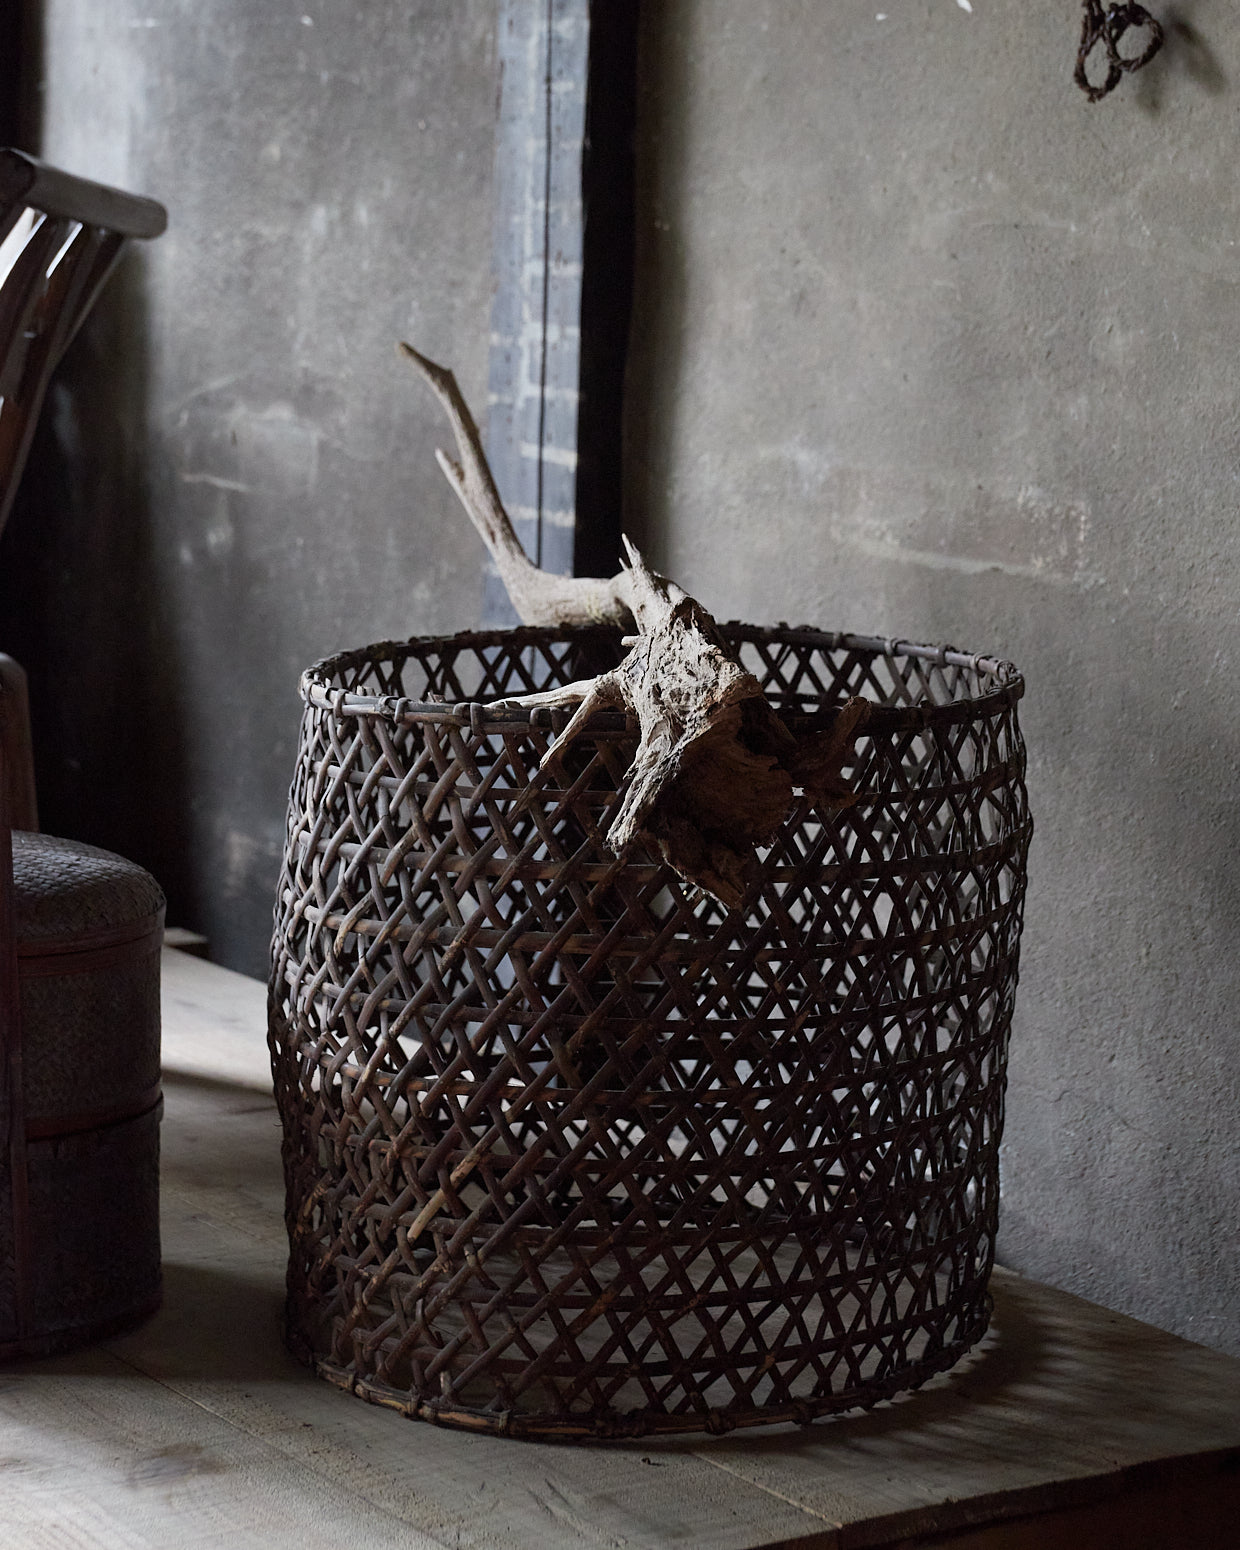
x=1107, y=28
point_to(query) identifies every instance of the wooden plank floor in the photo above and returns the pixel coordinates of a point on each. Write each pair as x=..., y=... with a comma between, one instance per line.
x=199, y=1431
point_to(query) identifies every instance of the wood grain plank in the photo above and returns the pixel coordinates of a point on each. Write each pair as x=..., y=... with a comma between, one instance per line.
x=215, y=1022
x=199, y=1429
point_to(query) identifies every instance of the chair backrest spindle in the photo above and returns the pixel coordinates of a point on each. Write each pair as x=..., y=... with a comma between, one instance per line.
x=60, y=237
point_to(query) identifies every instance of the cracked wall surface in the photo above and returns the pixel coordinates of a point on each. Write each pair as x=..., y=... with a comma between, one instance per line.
x=925, y=345
x=235, y=473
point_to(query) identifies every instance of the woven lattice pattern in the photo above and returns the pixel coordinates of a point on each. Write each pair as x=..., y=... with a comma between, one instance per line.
x=573, y=1151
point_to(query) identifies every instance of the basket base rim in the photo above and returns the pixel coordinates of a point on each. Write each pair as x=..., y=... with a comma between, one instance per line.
x=620, y=1426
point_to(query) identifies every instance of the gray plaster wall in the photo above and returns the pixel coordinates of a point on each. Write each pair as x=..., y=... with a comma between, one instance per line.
x=928, y=346
x=236, y=474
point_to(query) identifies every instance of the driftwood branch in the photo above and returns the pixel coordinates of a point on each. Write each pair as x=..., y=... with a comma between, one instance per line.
x=716, y=769
x=537, y=595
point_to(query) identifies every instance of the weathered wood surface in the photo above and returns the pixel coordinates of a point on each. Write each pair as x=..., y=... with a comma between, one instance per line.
x=199, y=1431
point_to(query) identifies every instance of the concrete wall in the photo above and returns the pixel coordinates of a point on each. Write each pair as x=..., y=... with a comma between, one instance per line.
x=924, y=344
x=236, y=473
x=927, y=345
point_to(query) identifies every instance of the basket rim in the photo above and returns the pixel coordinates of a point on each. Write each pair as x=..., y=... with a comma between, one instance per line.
x=483, y=717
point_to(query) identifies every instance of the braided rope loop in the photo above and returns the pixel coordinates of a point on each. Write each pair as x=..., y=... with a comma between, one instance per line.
x=1105, y=29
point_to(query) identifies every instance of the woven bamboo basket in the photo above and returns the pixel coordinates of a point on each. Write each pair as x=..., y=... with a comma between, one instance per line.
x=571, y=1151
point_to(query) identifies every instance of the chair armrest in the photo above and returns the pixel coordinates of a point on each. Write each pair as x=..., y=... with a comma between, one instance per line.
x=26, y=181
x=18, y=806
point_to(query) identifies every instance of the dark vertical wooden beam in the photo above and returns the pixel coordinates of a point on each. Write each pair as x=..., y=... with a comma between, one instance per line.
x=10, y=71
x=608, y=206
x=563, y=266
x=536, y=312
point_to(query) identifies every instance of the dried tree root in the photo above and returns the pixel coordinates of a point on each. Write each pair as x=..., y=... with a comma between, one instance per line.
x=716, y=770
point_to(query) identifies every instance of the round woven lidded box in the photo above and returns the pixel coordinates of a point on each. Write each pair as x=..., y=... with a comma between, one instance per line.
x=573, y=1151
x=79, y=1173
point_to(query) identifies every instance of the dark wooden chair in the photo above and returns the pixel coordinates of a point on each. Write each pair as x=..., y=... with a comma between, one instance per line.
x=80, y=928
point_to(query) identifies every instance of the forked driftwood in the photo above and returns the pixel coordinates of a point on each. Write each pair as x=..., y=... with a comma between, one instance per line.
x=716, y=769
x=537, y=595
